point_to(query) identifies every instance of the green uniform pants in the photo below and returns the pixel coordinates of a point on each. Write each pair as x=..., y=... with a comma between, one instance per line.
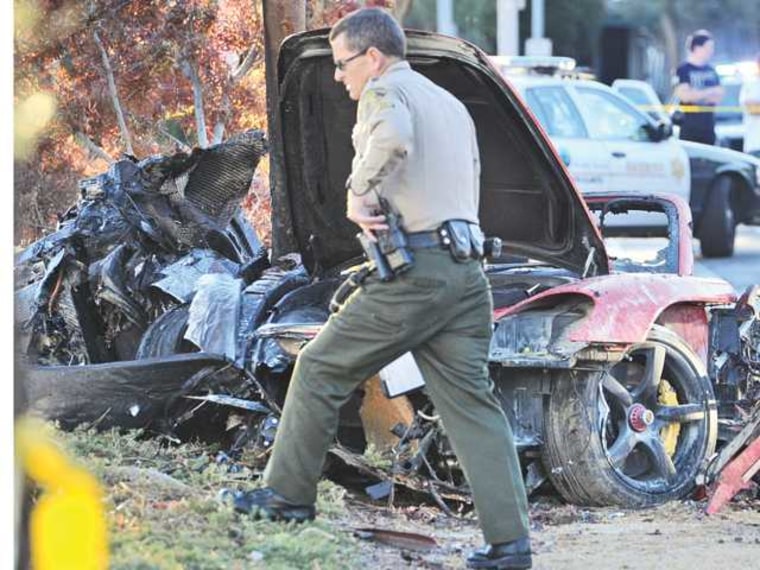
x=441, y=311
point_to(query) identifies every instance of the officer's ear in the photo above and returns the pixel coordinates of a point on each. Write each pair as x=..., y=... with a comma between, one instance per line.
x=377, y=58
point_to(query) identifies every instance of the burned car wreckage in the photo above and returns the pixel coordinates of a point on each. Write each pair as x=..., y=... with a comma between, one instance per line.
x=155, y=305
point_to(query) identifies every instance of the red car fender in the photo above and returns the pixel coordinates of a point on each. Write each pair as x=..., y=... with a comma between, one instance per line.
x=625, y=306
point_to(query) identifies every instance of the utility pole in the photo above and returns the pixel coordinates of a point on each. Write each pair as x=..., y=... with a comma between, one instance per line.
x=537, y=44
x=508, y=26
x=444, y=17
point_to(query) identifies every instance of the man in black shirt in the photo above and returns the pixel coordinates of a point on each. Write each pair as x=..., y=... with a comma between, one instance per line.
x=698, y=87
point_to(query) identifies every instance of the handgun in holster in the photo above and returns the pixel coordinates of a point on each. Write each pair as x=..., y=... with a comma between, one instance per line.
x=390, y=253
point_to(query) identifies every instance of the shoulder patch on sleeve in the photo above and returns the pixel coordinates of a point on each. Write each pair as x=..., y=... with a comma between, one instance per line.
x=377, y=99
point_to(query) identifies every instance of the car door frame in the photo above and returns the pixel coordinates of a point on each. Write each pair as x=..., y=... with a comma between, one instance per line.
x=677, y=159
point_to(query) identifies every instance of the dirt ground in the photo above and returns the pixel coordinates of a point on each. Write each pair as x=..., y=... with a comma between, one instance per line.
x=676, y=536
x=165, y=511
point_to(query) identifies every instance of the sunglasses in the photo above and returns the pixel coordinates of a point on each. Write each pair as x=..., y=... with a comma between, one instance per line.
x=341, y=64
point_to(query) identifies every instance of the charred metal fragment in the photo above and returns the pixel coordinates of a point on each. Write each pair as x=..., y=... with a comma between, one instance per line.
x=734, y=358
x=539, y=337
x=111, y=286
x=418, y=485
x=213, y=315
x=406, y=540
x=179, y=279
x=87, y=292
x=126, y=394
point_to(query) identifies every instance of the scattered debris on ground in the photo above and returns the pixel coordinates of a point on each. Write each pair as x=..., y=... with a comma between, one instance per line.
x=165, y=511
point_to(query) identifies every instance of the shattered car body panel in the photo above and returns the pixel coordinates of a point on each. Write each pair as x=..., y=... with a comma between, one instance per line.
x=663, y=293
x=122, y=255
x=641, y=297
x=144, y=240
x=132, y=394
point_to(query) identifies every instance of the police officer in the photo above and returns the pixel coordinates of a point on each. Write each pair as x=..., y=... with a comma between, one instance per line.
x=415, y=145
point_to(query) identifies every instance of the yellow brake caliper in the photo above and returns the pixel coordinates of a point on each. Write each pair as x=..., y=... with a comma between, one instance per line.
x=667, y=396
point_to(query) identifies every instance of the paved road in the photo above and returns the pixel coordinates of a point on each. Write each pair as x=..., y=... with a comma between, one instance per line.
x=741, y=270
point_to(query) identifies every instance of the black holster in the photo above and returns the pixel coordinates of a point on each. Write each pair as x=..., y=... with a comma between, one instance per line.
x=390, y=253
x=353, y=280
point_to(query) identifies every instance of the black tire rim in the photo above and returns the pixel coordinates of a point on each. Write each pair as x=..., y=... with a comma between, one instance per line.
x=654, y=419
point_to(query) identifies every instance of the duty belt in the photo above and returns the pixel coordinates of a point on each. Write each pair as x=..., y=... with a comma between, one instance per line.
x=424, y=240
x=463, y=239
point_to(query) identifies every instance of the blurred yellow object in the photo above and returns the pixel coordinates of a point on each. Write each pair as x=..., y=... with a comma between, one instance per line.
x=67, y=526
x=667, y=396
x=30, y=118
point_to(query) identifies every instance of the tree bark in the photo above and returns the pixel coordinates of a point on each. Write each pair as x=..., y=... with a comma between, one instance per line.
x=226, y=106
x=245, y=65
x=87, y=143
x=114, y=95
x=188, y=67
x=281, y=18
x=224, y=114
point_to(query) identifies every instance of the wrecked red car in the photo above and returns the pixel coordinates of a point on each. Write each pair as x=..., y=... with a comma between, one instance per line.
x=619, y=377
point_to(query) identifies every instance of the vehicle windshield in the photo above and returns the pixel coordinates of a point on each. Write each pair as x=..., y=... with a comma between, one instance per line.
x=637, y=96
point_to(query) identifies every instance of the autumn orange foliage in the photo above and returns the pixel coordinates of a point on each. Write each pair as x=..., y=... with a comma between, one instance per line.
x=153, y=50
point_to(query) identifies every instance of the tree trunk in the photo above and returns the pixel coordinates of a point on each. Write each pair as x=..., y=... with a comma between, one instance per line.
x=114, y=96
x=245, y=65
x=91, y=147
x=188, y=67
x=223, y=116
x=235, y=76
x=281, y=18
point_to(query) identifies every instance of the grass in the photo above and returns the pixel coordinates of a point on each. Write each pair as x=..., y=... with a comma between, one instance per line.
x=165, y=511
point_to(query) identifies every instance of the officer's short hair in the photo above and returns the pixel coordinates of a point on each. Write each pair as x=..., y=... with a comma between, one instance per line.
x=371, y=27
x=697, y=39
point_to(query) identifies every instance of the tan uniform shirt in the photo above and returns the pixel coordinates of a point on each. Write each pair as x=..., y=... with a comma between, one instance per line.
x=415, y=144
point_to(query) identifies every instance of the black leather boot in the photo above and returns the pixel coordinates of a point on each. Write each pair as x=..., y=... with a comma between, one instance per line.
x=502, y=556
x=266, y=503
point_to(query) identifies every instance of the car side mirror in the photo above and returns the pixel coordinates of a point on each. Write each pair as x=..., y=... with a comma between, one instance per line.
x=658, y=132
x=666, y=127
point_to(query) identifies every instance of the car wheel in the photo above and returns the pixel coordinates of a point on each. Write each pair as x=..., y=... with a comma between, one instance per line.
x=717, y=227
x=635, y=434
x=165, y=335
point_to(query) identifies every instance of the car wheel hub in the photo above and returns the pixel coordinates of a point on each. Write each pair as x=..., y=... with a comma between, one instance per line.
x=640, y=417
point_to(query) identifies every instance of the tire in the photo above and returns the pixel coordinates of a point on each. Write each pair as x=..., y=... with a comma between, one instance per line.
x=165, y=335
x=612, y=439
x=717, y=228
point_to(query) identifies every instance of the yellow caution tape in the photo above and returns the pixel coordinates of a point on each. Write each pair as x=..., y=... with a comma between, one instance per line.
x=692, y=108
x=67, y=526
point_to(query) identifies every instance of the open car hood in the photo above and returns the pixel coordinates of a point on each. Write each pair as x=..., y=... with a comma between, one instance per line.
x=527, y=197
